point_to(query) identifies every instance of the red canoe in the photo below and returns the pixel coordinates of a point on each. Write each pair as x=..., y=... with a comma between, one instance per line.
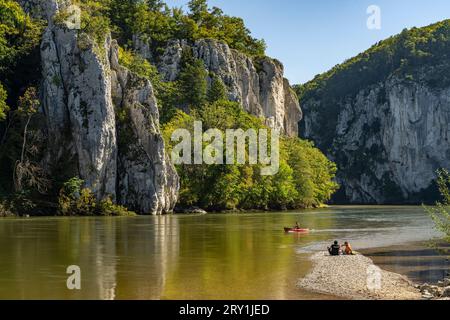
x=289, y=230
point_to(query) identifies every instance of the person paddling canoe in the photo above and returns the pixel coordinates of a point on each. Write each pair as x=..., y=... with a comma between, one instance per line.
x=296, y=229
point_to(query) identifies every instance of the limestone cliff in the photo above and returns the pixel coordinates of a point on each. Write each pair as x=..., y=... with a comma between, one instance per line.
x=257, y=83
x=388, y=140
x=383, y=116
x=102, y=121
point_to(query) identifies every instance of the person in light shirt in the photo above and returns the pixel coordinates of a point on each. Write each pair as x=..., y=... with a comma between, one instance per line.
x=347, y=249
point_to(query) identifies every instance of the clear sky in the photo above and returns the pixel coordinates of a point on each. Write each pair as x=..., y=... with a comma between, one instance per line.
x=311, y=36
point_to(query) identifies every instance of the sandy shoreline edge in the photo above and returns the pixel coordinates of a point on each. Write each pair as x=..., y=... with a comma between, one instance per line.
x=356, y=277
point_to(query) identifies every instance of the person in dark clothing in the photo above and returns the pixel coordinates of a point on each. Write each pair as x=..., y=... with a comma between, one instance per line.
x=335, y=249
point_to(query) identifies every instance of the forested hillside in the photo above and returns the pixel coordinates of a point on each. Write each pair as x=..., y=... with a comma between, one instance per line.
x=61, y=154
x=383, y=117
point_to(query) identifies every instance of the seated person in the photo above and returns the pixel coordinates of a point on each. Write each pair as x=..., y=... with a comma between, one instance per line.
x=347, y=249
x=297, y=226
x=335, y=249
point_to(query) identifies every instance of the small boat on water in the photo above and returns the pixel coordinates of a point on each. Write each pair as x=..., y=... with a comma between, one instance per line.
x=296, y=230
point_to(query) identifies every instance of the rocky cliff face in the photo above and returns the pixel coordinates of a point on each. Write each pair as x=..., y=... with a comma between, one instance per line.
x=388, y=140
x=258, y=84
x=102, y=121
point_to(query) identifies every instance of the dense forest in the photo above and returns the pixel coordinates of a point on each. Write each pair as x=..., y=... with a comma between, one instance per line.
x=155, y=22
x=306, y=175
x=304, y=178
x=405, y=54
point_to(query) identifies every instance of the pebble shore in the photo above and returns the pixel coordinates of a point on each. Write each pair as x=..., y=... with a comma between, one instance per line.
x=356, y=277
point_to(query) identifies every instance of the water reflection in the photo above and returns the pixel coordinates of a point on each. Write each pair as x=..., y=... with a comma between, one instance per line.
x=187, y=257
x=119, y=258
x=147, y=253
x=237, y=257
x=420, y=263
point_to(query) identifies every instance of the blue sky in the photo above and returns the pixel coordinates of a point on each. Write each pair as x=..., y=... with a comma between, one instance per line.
x=311, y=36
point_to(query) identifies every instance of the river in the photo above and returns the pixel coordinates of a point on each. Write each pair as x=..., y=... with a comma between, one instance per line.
x=217, y=256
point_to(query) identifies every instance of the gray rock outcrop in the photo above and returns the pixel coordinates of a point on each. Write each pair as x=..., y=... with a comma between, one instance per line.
x=258, y=84
x=388, y=141
x=102, y=121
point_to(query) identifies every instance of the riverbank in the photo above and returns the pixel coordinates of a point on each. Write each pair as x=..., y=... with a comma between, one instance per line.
x=356, y=277
x=419, y=261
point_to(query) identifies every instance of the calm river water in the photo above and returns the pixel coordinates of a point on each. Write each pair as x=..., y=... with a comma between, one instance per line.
x=234, y=256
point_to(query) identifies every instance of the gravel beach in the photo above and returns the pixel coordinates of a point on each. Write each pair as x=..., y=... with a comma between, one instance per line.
x=356, y=277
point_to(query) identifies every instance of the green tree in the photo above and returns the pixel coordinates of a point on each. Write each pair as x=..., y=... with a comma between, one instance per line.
x=138, y=65
x=154, y=22
x=192, y=81
x=233, y=31
x=305, y=178
x=154, y=25
x=198, y=9
x=74, y=200
x=441, y=212
x=3, y=106
x=217, y=90
x=28, y=106
x=27, y=173
x=18, y=35
x=155, y=5
x=122, y=14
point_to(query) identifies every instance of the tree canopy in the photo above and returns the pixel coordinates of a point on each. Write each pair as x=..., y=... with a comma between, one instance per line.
x=3, y=106
x=305, y=178
x=417, y=54
x=440, y=213
x=404, y=55
x=157, y=23
x=19, y=35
